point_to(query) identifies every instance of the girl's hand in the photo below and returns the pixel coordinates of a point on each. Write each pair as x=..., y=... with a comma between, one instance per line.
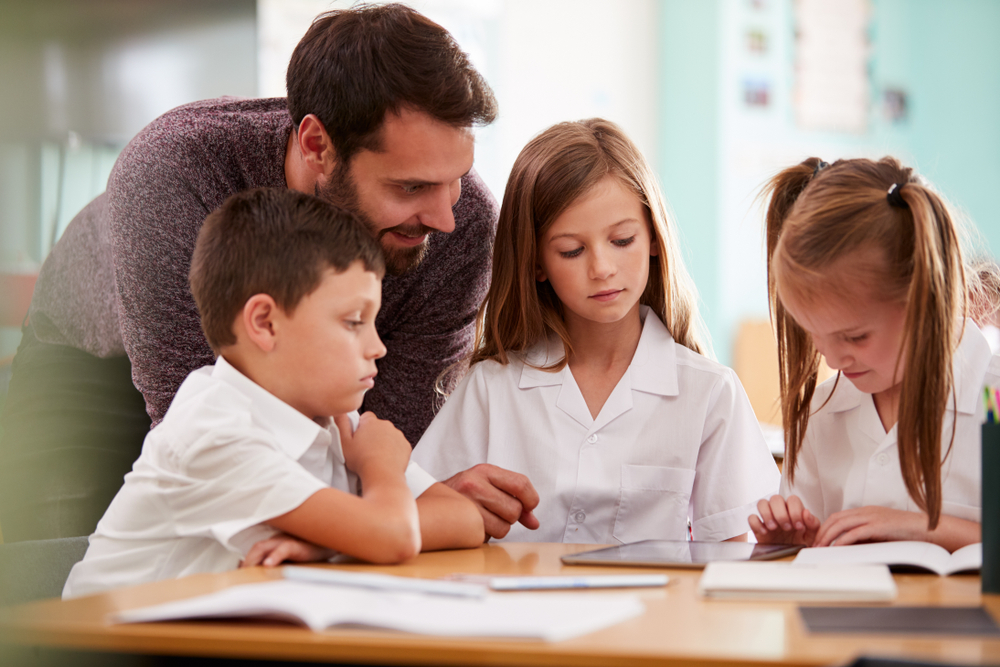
x=283, y=547
x=872, y=524
x=784, y=521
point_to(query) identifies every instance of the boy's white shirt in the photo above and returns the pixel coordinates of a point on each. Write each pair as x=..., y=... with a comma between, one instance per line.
x=227, y=457
x=676, y=439
x=847, y=459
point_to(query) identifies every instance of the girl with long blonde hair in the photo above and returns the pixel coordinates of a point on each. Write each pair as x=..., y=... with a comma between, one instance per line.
x=587, y=377
x=865, y=268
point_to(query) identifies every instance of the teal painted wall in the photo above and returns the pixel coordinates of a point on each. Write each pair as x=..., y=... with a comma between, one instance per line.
x=955, y=123
x=944, y=53
x=688, y=162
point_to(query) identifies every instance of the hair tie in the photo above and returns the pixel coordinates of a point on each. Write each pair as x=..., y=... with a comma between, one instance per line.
x=820, y=167
x=895, y=196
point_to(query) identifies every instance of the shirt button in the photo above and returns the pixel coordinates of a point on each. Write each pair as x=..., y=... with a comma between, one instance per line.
x=883, y=459
x=579, y=516
x=592, y=439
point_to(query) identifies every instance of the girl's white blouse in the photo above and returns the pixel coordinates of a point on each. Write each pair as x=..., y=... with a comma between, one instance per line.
x=676, y=441
x=848, y=460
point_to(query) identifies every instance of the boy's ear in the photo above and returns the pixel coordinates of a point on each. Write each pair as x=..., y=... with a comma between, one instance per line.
x=259, y=320
x=315, y=146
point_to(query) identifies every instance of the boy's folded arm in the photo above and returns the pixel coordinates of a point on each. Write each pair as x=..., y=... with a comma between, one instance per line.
x=382, y=526
x=448, y=520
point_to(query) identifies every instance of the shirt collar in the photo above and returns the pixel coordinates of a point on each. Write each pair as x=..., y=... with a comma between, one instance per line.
x=294, y=432
x=653, y=369
x=969, y=364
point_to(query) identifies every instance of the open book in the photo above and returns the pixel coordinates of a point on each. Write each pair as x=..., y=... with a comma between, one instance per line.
x=922, y=555
x=546, y=616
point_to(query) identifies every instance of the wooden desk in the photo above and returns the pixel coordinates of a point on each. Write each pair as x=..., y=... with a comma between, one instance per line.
x=678, y=626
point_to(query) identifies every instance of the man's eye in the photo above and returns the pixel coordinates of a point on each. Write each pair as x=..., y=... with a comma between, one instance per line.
x=572, y=253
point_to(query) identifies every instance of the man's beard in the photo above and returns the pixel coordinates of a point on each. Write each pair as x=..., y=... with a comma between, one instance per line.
x=340, y=190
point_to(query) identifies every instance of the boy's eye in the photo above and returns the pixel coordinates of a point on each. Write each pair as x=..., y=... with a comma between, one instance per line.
x=571, y=253
x=410, y=189
x=621, y=243
x=354, y=324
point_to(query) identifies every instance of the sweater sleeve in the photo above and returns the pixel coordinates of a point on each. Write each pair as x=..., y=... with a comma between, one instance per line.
x=155, y=215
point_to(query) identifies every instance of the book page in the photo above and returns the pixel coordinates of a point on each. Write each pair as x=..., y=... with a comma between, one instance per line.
x=915, y=554
x=967, y=559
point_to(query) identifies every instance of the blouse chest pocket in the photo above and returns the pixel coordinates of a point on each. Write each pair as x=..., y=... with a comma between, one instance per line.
x=654, y=503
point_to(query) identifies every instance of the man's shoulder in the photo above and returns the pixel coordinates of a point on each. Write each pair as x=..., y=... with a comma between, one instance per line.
x=477, y=208
x=190, y=137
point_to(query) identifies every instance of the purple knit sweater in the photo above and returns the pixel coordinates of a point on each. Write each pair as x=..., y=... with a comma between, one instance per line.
x=117, y=281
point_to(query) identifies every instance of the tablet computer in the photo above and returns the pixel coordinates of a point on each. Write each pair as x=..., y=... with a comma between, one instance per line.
x=669, y=553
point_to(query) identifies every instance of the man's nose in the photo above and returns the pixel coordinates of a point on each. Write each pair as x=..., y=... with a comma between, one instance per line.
x=438, y=214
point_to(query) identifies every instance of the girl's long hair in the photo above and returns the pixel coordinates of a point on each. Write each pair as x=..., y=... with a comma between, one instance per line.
x=818, y=216
x=558, y=166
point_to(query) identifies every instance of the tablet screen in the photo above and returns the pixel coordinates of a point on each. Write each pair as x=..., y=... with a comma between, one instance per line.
x=667, y=553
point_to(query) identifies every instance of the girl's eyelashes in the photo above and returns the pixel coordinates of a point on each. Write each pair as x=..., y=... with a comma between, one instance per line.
x=571, y=253
x=857, y=339
x=621, y=243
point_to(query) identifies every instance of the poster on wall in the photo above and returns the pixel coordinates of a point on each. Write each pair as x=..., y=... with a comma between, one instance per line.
x=832, y=49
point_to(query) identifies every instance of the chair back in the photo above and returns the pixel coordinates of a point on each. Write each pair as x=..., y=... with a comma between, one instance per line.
x=37, y=569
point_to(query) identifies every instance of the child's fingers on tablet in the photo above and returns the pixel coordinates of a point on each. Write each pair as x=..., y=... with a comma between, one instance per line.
x=764, y=509
x=779, y=514
x=796, y=512
x=758, y=528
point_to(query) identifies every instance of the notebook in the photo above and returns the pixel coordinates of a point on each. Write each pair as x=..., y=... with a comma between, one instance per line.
x=787, y=581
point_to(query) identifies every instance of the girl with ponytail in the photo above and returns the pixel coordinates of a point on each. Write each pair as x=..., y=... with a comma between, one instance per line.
x=865, y=269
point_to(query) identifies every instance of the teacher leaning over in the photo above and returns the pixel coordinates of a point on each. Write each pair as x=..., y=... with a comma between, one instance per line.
x=379, y=116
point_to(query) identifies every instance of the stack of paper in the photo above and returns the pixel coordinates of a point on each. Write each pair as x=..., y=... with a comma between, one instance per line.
x=787, y=581
x=547, y=616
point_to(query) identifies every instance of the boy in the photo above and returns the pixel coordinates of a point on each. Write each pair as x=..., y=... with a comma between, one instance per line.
x=247, y=463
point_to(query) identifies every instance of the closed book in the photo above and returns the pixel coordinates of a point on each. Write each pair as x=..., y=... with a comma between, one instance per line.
x=786, y=581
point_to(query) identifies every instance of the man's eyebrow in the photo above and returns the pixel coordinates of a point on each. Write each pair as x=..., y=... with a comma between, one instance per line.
x=412, y=182
x=611, y=226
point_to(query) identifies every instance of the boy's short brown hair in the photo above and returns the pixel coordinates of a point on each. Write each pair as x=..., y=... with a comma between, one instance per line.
x=276, y=242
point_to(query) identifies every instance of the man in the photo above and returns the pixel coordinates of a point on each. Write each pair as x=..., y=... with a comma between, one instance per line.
x=379, y=117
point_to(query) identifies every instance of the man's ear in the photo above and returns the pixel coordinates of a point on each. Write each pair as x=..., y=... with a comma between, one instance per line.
x=315, y=146
x=260, y=321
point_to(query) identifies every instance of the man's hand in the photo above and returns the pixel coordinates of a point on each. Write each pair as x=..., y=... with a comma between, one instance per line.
x=784, y=521
x=503, y=497
x=376, y=442
x=282, y=547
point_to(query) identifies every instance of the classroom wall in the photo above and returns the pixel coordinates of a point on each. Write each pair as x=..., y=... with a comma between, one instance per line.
x=716, y=151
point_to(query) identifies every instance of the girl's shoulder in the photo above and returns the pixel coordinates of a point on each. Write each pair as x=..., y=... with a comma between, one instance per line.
x=835, y=394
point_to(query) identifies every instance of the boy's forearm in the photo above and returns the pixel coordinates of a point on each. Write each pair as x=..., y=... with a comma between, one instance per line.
x=448, y=520
x=382, y=526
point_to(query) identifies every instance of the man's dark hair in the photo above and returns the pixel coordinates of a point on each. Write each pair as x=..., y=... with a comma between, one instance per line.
x=276, y=242
x=355, y=65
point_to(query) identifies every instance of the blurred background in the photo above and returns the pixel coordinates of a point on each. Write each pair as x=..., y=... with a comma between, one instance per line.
x=719, y=94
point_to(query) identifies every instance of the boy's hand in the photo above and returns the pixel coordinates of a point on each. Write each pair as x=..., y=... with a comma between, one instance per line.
x=376, y=442
x=276, y=550
x=784, y=521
